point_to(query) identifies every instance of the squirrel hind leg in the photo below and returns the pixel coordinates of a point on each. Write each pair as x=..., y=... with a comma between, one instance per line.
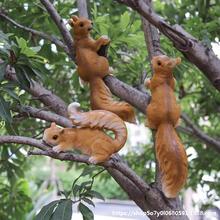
x=95, y=159
x=150, y=124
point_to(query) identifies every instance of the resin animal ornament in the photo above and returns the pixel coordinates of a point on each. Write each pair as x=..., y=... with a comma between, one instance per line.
x=163, y=114
x=89, y=136
x=92, y=68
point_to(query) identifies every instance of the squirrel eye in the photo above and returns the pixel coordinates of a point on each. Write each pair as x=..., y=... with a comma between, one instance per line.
x=55, y=137
x=81, y=24
x=91, y=23
x=158, y=63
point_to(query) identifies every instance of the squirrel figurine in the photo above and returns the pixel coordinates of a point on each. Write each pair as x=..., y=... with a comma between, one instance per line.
x=163, y=114
x=92, y=68
x=89, y=136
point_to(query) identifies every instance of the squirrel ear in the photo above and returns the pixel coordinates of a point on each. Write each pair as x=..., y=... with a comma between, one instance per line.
x=75, y=18
x=53, y=124
x=62, y=131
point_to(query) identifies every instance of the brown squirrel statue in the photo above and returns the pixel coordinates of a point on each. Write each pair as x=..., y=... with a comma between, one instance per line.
x=163, y=114
x=89, y=136
x=92, y=68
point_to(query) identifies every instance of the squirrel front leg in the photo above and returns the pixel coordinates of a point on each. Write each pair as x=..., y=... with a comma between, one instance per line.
x=147, y=83
x=58, y=148
x=103, y=40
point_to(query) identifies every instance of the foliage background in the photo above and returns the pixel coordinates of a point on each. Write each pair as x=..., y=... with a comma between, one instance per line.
x=22, y=182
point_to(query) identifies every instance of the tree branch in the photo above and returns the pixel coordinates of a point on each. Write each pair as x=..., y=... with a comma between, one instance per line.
x=82, y=8
x=44, y=95
x=115, y=162
x=200, y=134
x=51, y=38
x=123, y=174
x=151, y=35
x=43, y=115
x=152, y=40
x=131, y=95
x=60, y=24
x=203, y=57
x=22, y=140
x=120, y=89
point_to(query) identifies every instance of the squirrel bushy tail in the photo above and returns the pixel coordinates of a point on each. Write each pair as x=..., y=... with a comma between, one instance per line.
x=172, y=159
x=101, y=98
x=99, y=119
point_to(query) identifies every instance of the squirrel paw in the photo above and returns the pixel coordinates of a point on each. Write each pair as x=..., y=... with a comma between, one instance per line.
x=93, y=160
x=57, y=149
x=111, y=71
x=82, y=83
x=105, y=40
x=147, y=82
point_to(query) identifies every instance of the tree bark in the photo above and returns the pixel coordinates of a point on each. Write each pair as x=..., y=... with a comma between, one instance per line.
x=203, y=57
x=147, y=197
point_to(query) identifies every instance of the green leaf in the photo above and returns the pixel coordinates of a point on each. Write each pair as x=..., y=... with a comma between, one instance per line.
x=63, y=210
x=86, y=212
x=47, y=211
x=11, y=128
x=4, y=110
x=125, y=19
x=2, y=70
x=89, y=201
x=22, y=43
x=75, y=189
x=75, y=81
x=86, y=184
x=96, y=194
x=36, y=49
x=11, y=93
x=88, y=171
x=10, y=85
x=65, y=193
x=22, y=79
x=3, y=35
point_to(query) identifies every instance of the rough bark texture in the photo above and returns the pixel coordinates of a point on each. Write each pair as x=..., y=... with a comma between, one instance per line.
x=82, y=8
x=147, y=197
x=198, y=54
x=152, y=40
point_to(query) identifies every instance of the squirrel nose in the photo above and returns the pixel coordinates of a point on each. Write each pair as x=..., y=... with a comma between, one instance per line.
x=90, y=28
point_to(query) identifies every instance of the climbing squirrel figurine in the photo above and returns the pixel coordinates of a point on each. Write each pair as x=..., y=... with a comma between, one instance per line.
x=163, y=114
x=92, y=68
x=88, y=136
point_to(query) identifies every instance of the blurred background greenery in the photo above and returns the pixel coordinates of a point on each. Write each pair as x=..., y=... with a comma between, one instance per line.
x=27, y=182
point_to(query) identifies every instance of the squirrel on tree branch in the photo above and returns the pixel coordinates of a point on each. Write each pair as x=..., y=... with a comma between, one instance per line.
x=163, y=114
x=89, y=136
x=93, y=68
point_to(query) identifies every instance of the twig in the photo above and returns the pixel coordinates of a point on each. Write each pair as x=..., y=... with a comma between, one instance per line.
x=82, y=8
x=60, y=24
x=200, y=134
x=51, y=38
